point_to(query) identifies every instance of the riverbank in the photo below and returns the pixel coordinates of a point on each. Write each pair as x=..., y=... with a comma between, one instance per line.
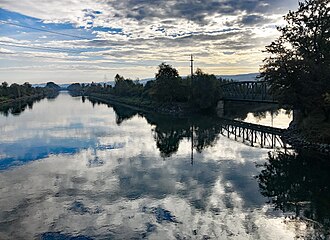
x=309, y=134
x=174, y=109
x=24, y=98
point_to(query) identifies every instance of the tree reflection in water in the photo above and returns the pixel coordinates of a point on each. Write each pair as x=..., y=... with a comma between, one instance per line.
x=169, y=133
x=299, y=183
x=16, y=108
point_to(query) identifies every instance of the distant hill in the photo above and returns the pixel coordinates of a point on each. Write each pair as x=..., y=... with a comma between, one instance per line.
x=241, y=77
x=237, y=77
x=142, y=81
x=62, y=86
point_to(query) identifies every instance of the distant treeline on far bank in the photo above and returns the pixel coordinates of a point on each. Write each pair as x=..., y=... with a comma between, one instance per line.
x=15, y=92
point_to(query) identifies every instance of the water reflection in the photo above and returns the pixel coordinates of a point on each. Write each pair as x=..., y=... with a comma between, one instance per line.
x=299, y=184
x=202, y=131
x=259, y=113
x=168, y=132
x=89, y=174
x=17, y=107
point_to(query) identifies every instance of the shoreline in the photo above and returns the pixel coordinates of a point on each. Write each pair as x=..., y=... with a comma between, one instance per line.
x=294, y=137
x=172, y=109
x=9, y=101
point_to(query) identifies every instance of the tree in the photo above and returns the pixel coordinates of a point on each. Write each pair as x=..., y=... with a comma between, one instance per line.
x=75, y=87
x=15, y=90
x=205, y=90
x=119, y=78
x=298, y=68
x=127, y=87
x=168, y=85
x=4, y=85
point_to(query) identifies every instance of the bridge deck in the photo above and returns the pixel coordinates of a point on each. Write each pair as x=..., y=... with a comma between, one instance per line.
x=253, y=134
x=256, y=127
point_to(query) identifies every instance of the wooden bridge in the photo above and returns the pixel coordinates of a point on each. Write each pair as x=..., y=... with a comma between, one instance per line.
x=253, y=134
x=253, y=91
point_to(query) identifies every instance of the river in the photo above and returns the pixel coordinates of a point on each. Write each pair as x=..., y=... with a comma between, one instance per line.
x=71, y=168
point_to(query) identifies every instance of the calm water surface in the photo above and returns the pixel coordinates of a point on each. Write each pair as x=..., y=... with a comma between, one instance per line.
x=80, y=170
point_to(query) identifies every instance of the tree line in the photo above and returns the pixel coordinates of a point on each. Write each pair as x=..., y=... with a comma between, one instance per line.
x=202, y=90
x=16, y=91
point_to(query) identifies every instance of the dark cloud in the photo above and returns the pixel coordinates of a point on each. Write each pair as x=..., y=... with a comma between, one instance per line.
x=228, y=53
x=225, y=41
x=253, y=20
x=198, y=10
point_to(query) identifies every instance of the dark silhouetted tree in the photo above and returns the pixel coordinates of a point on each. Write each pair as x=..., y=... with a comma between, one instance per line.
x=127, y=87
x=299, y=65
x=168, y=86
x=205, y=90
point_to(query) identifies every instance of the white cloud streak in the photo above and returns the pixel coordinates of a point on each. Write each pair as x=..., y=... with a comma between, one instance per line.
x=163, y=31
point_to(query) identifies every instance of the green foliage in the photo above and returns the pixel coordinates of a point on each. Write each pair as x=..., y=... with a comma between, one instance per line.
x=53, y=86
x=15, y=91
x=205, y=90
x=4, y=85
x=87, y=89
x=75, y=87
x=168, y=90
x=299, y=66
x=126, y=87
x=169, y=86
x=149, y=90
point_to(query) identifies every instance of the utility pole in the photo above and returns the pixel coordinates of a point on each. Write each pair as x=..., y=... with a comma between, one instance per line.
x=192, y=125
x=191, y=66
x=192, y=144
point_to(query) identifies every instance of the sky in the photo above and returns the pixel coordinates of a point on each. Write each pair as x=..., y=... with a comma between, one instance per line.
x=92, y=40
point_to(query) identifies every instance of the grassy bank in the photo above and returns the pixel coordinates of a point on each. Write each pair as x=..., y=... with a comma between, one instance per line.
x=4, y=100
x=147, y=105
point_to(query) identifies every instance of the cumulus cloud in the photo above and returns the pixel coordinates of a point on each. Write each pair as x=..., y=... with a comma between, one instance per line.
x=159, y=31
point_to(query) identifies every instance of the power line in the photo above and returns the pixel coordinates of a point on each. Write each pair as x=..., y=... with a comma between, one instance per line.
x=60, y=50
x=41, y=48
x=51, y=48
x=44, y=30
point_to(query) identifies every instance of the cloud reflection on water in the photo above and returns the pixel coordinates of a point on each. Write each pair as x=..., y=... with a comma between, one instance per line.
x=115, y=184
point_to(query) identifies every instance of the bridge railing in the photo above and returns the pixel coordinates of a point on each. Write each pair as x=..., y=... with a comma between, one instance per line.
x=253, y=134
x=248, y=91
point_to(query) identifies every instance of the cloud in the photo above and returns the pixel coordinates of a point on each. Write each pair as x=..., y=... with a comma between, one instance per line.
x=157, y=31
x=93, y=190
x=5, y=51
